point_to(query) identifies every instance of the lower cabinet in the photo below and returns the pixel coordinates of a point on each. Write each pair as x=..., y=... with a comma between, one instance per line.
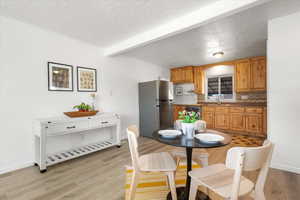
x=248, y=120
x=237, y=121
x=254, y=123
x=221, y=120
x=176, y=110
x=209, y=117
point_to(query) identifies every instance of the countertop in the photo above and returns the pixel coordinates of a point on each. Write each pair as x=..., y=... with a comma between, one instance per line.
x=235, y=103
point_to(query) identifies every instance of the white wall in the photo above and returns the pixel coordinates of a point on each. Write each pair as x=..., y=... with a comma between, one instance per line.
x=187, y=97
x=284, y=91
x=25, y=50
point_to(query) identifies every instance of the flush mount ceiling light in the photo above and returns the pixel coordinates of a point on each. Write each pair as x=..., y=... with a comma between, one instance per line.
x=218, y=54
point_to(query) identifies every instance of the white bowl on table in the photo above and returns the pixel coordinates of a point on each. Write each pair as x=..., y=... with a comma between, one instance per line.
x=169, y=134
x=209, y=137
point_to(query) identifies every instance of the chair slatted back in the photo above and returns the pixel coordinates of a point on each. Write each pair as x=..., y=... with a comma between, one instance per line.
x=249, y=159
x=133, y=134
x=254, y=158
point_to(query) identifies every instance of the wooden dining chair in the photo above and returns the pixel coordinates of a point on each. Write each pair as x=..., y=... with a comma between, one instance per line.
x=227, y=180
x=154, y=162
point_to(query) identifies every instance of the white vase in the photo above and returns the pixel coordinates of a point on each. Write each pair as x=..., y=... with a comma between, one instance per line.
x=188, y=130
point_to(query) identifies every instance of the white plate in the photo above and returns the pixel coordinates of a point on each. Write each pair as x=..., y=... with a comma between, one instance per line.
x=169, y=133
x=209, y=137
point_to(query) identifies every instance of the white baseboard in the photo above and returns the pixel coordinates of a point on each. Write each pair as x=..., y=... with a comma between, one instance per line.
x=285, y=168
x=16, y=167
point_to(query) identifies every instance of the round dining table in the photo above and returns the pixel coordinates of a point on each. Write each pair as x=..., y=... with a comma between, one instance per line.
x=189, y=145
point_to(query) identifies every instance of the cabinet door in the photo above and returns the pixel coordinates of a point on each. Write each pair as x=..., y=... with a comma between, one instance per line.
x=188, y=75
x=177, y=75
x=209, y=118
x=254, y=123
x=237, y=122
x=264, y=132
x=242, y=75
x=221, y=120
x=176, y=110
x=173, y=75
x=198, y=80
x=258, y=74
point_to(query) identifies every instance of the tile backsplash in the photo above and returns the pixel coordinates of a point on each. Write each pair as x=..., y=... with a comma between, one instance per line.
x=251, y=96
x=243, y=97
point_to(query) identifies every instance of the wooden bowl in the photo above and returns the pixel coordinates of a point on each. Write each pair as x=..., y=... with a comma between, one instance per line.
x=81, y=113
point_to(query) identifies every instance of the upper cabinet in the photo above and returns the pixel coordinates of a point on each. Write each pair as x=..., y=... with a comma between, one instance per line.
x=199, y=80
x=258, y=73
x=242, y=75
x=182, y=75
x=250, y=74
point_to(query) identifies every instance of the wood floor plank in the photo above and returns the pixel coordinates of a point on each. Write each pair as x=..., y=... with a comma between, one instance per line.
x=101, y=175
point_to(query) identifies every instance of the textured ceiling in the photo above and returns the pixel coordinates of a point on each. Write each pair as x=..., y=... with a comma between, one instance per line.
x=100, y=22
x=239, y=36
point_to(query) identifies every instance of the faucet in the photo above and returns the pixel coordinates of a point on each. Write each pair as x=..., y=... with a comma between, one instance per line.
x=219, y=99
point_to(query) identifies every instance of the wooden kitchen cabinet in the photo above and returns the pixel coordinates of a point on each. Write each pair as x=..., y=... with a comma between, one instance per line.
x=251, y=74
x=240, y=119
x=209, y=118
x=182, y=75
x=221, y=120
x=265, y=122
x=258, y=73
x=188, y=74
x=242, y=75
x=237, y=121
x=176, y=75
x=176, y=110
x=254, y=117
x=198, y=80
x=254, y=123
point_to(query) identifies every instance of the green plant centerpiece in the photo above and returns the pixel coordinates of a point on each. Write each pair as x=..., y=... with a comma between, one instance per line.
x=188, y=118
x=83, y=107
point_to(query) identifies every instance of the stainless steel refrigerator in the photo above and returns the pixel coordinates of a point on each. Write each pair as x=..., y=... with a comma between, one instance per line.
x=155, y=106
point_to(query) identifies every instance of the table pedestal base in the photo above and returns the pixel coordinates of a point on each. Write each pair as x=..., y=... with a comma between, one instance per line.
x=181, y=195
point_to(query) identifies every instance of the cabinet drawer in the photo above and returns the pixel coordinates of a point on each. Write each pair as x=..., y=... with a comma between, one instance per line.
x=94, y=123
x=237, y=109
x=208, y=109
x=62, y=128
x=222, y=109
x=254, y=110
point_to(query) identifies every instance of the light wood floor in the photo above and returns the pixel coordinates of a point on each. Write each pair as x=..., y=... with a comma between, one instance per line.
x=101, y=176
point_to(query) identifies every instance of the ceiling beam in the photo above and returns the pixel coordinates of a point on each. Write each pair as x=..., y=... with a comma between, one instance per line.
x=187, y=22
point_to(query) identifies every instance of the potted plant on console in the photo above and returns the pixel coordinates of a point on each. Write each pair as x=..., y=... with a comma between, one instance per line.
x=84, y=110
x=188, y=119
x=83, y=107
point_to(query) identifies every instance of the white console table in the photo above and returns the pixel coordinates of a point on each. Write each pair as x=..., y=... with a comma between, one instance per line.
x=55, y=127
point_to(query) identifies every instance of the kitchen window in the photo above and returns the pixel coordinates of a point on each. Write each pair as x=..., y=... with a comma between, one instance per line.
x=220, y=88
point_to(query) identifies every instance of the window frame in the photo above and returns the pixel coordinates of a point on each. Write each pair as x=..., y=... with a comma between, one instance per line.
x=219, y=87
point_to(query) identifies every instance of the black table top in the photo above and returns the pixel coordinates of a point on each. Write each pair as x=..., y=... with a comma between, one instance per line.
x=181, y=141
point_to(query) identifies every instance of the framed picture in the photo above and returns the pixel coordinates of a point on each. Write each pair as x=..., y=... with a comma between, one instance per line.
x=86, y=79
x=60, y=77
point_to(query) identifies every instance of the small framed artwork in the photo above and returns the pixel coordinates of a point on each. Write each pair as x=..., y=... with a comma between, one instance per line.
x=178, y=91
x=86, y=79
x=60, y=77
